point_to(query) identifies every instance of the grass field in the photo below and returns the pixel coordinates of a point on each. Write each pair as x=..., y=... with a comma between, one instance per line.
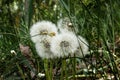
x=98, y=21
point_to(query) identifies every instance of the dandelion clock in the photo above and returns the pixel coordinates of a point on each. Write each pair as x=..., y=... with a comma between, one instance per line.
x=65, y=25
x=41, y=34
x=42, y=30
x=64, y=44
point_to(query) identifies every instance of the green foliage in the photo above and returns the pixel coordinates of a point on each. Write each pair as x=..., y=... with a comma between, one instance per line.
x=98, y=21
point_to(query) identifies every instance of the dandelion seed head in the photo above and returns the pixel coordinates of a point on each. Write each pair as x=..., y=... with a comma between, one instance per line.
x=64, y=44
x=42, y=30
x=65, y=25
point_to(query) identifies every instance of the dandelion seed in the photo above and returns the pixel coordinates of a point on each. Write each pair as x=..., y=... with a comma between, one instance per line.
x=64, y=44
x=42, y=30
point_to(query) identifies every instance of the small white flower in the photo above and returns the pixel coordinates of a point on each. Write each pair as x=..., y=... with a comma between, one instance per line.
x=13, y=52
x=83, y=47
x=43, y=49
x=55, y=7
x=64, y=44
x=41, y=74
x=42, y=30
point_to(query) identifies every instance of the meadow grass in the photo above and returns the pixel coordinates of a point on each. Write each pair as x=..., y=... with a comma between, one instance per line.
x=97, y=20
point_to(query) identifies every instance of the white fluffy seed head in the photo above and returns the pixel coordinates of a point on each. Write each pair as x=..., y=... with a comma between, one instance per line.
x=64, y=44
x=82, y=50
x=64, y=25
x=42, y=30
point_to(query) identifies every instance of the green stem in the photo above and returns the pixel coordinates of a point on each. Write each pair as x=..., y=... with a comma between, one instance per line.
x=21, y=72
x=66, y=76
x=74, y=68
x=51, y=70
x=46, y=69
x=64, y=71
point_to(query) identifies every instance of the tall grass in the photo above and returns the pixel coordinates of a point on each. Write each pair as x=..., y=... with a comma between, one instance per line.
x=96, y=20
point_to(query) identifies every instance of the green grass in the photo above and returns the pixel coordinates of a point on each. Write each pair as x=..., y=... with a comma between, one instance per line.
x=97, y=20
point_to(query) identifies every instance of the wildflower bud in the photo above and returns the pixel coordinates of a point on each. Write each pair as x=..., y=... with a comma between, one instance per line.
x=13, y=52
x=41, y=74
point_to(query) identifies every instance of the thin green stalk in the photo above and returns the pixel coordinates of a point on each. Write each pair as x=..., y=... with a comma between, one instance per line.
x=21, y=72
x=38, y=66
x=51, y=70
x=46, y=69
x=63, y=71
x=74, y=68
x=66, y=76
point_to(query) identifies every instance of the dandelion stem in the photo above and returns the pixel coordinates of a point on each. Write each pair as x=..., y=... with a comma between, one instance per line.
x=51, y=70
x=74, y=68
x=64, y=71
x=46, y=69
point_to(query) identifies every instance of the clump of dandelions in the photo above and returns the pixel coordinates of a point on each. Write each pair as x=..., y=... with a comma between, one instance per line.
x=42, y=30
x=65, y=25
x=41, y=34
x=64, y=44
x=50, y=44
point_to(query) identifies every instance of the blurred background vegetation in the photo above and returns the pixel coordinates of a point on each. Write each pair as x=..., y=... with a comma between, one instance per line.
x=98, y=21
